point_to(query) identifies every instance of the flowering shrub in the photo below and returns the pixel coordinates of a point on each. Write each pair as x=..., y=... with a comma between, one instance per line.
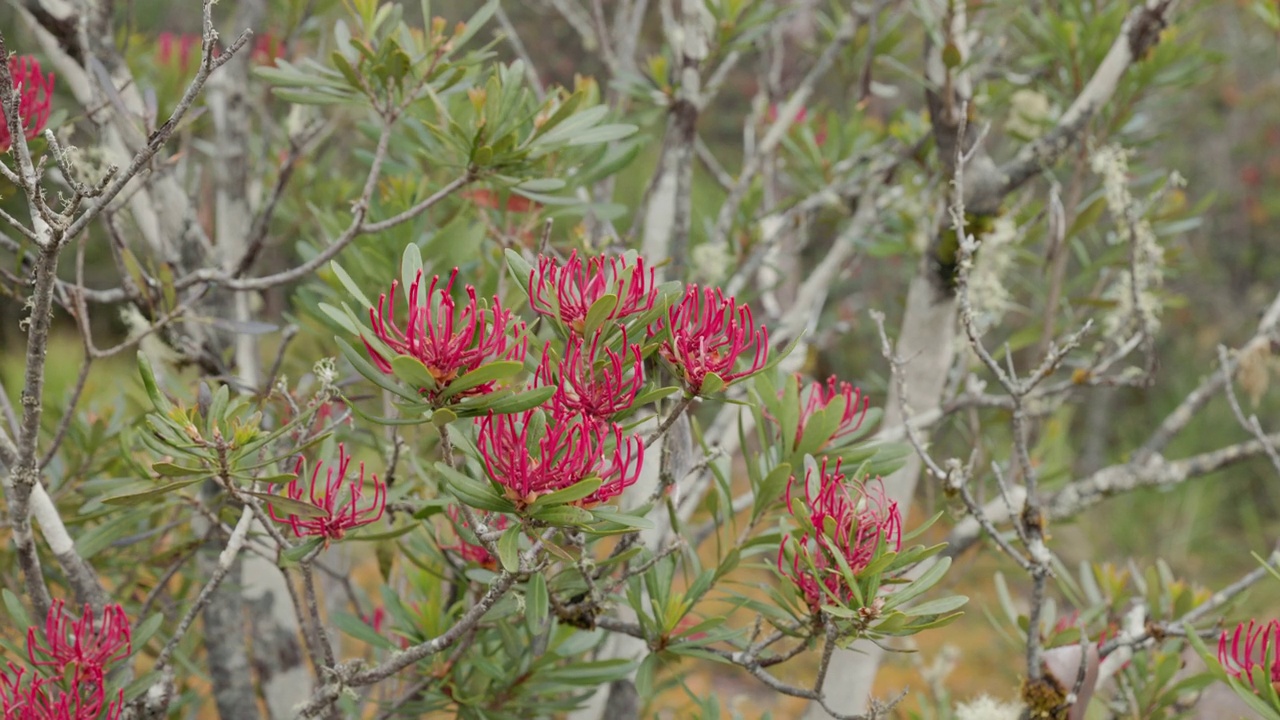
x=570, y=492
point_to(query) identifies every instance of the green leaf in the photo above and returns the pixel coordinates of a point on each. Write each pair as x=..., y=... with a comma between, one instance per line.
x=499, y=370
x=918, y=586
x=711, y=384
x=577, y=491
x=150, y=490
x=371, y=373
x=536, y=602
x=158, y=400
x=18, y=617
x=349, y=284
x=937, y=607
x=473, y=493
x=413, y=372
x=410, y=265
x=520, y=270
x=600, y=311
x=603, y=134
x=509, y=549
x=353, y=626
x=295, y=554
x=562, y=516
x=625, y=521
x=171, y=470
x=342, y=317
x=508, y=405
x=288, y=506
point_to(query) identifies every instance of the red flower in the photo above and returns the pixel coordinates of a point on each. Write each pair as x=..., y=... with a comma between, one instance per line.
x=706, y=334
x=1251, y=648
x=77, y=654
x=854, y=528
x=450, y=344
x=579, y=284
x=172, y=47
x=531, y=458
x=489, y=199
x=337, y=515
x=591, y=382
x=266, y=48
x=83, y=643
x=472, y=553
x=35, y=98
x=821, y=396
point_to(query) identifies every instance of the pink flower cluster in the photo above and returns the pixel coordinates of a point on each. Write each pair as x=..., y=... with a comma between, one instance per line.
x=448, y=341
x=67, y=680
x=853, y=527
x=35, y=98
x=579, y=284
x=335, y=514
x=1251, y=649
x=707, y=333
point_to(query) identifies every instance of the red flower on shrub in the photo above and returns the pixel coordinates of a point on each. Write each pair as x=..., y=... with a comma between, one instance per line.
x=78, y=654
x=820, y=396
x=173, y=49
x=1251, y=648
x=449, y=341
x=578, y=284
x=35, y=98
x=537, y=452
x=592, y=379
x=853, y=527
x=473, y=553
x=707, y=333
x=338, y=511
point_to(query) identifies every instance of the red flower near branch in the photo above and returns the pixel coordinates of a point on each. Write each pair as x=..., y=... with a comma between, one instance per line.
x=448, y=341
x=531, y=459
x=473, y=553
x=851, y=527
x=592, y=379
x=1251, y=648
x=579, y=284
x=35, y=98
x=821, y=396
x=338, y=511
x=707, y=333
x=78, y=655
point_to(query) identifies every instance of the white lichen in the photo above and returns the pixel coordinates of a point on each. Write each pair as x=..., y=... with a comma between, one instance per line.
x=985, y=707
x=1133, y=292
x=988, y=292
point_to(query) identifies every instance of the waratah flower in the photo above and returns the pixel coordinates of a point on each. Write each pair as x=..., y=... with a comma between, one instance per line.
x=1252, y=648
x=707, y=333
x=35, y=98
x=449, y=342
x=578, y=284
x=593, y=379
x=537, y=452
x=821, y=396
x=85, y=643
x=336, y=511
x=851, y=527
x=78, y=654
